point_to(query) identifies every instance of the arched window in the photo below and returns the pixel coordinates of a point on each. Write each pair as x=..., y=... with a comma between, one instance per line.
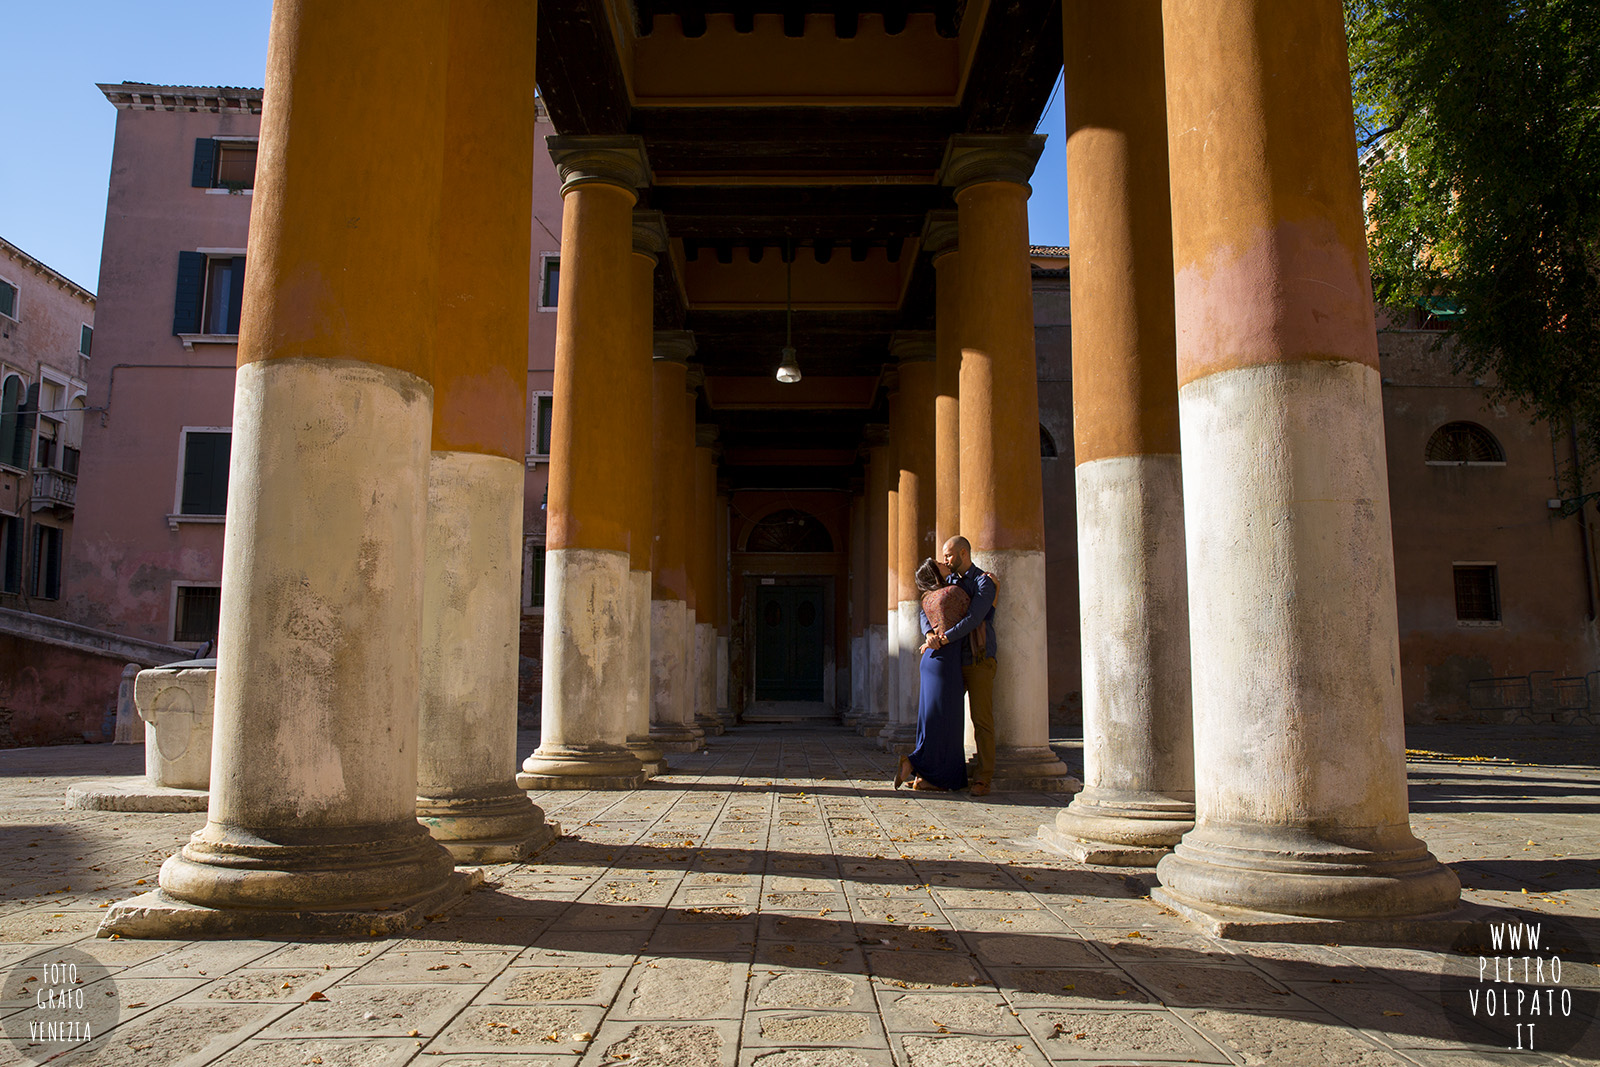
x=1464, y=442
x=10, y=401
x=1047, y=444
x=789, y=530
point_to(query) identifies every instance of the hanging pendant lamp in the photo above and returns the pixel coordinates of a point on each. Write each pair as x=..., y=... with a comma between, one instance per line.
x=789, y=368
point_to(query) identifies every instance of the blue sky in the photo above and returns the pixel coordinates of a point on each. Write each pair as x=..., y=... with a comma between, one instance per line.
x=56, y=155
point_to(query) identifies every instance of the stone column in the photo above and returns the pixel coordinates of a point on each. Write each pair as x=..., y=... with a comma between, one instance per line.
x=939, y=238
x=649, y=244
x=312, y=825
x=1300, y=784
x=914, y=435
x=1138, y=751
x=671, y=698
x=894, y=723
x=704, y=549
x=858, y=604
x=724, y=614
x=584, y=738
x=467, y=794
x=879, y=691
x=1002, y=502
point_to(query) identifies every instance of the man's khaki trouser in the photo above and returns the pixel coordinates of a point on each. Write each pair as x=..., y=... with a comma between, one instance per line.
x=979, y=679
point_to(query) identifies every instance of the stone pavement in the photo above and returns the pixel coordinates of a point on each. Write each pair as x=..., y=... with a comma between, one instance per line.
x=774, y=903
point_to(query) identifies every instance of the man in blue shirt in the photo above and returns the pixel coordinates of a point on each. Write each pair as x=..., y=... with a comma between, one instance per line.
x=975, y=631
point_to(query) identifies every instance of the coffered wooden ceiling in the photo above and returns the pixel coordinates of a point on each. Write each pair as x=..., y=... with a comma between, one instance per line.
x=811, y=131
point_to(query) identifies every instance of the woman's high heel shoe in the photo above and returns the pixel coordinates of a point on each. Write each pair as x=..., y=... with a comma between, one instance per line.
x=905, y=771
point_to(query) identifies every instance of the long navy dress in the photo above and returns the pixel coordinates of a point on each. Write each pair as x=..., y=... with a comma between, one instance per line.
x=941, y=714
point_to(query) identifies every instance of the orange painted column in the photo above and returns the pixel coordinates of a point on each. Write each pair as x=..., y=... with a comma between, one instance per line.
x=940, y=240
x=467, y=795
x=1138, y=751
x=880, y=469
x=649, y=244
x=671, y=694
x=584, y=725
x=724, y=611
x=1002, y=501
x=704, y=549
x=894, y=715
x=1300, y=786
x=858, y=604
x=314, y=771
x=914, y=527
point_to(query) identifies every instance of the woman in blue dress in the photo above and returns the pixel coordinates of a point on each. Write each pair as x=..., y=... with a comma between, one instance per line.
x=939, y=761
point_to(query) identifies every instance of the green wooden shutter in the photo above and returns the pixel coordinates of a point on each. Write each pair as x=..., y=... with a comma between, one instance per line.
x=205, y=163
x=22, y=442
x=10, y=401
x=544, y=409
x=186, y=306
x=235, y=293
x=205, y=473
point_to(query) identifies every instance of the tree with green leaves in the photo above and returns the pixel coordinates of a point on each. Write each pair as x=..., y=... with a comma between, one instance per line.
x=1479, y=126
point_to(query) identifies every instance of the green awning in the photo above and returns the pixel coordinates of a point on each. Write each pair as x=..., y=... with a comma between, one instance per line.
x=1440, y=307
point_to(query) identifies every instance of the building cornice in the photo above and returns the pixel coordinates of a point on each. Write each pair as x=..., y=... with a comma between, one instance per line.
x=140, y=96
x=61, y=281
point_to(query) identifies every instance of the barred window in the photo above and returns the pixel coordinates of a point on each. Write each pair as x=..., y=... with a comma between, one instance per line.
x=1464, y=442
x=1477, y=593
x=198, y=610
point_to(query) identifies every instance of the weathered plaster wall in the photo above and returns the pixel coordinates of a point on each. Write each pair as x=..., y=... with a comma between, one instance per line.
x=1479, y=514
x=50, y=695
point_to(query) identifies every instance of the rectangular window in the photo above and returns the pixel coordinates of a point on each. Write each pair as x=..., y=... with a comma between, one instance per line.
x=220, y=164
x=69, y=460
x=550, y=282
x=236, y=165
x=1477, y=592
x=10, y=554
x=46, y=583
x=205, y=472
x=196, y=613
x=219, y=288
x=8, y=299
x=536, y=576
x=85, y=339
x=45, y=455
x=210, y=291
x=543, y=408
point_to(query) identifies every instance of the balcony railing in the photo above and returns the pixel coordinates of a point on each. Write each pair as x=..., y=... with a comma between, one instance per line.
x=52, y=488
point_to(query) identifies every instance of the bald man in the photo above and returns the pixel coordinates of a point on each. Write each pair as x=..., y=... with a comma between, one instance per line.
x=975, y=631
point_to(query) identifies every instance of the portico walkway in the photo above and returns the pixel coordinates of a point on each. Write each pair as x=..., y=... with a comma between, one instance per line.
x=772, y=902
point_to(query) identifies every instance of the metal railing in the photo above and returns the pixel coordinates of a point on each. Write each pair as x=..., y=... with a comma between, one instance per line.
x=1519, y=698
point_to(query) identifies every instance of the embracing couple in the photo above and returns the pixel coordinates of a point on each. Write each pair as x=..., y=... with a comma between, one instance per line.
x=958, y=659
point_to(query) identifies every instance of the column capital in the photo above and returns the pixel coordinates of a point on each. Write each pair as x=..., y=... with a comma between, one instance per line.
x=705, y=434
x=674, y=346
x=890, y=379
x=649, y=233
x=939, y=233
x=912, y=346
x=612, y=159
x=875, y=434
x=990, y=157
x=696, y=377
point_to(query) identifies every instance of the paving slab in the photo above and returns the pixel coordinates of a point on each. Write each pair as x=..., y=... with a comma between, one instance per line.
x=771, y=902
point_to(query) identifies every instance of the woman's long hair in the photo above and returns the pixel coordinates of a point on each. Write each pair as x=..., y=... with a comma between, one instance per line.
x=928, y=577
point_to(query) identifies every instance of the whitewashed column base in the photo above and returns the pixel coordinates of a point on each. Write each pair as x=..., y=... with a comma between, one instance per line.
x=1300, y=789
x=858, y=695
x=724, y=709
x=583, y=742
x=1120, y=828
x=876, y=681
x=705, y=682
x=467, y=726
x=312, y=805
x=507, y=828
x=668, y=679
x=1138, y=741
x=640, y=742
x=1023, y=759
x=901, y=735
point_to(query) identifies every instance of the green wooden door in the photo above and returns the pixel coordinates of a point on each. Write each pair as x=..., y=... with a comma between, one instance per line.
x=789, y=638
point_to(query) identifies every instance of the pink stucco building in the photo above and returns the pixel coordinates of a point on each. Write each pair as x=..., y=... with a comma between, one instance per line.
x=149, y=558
